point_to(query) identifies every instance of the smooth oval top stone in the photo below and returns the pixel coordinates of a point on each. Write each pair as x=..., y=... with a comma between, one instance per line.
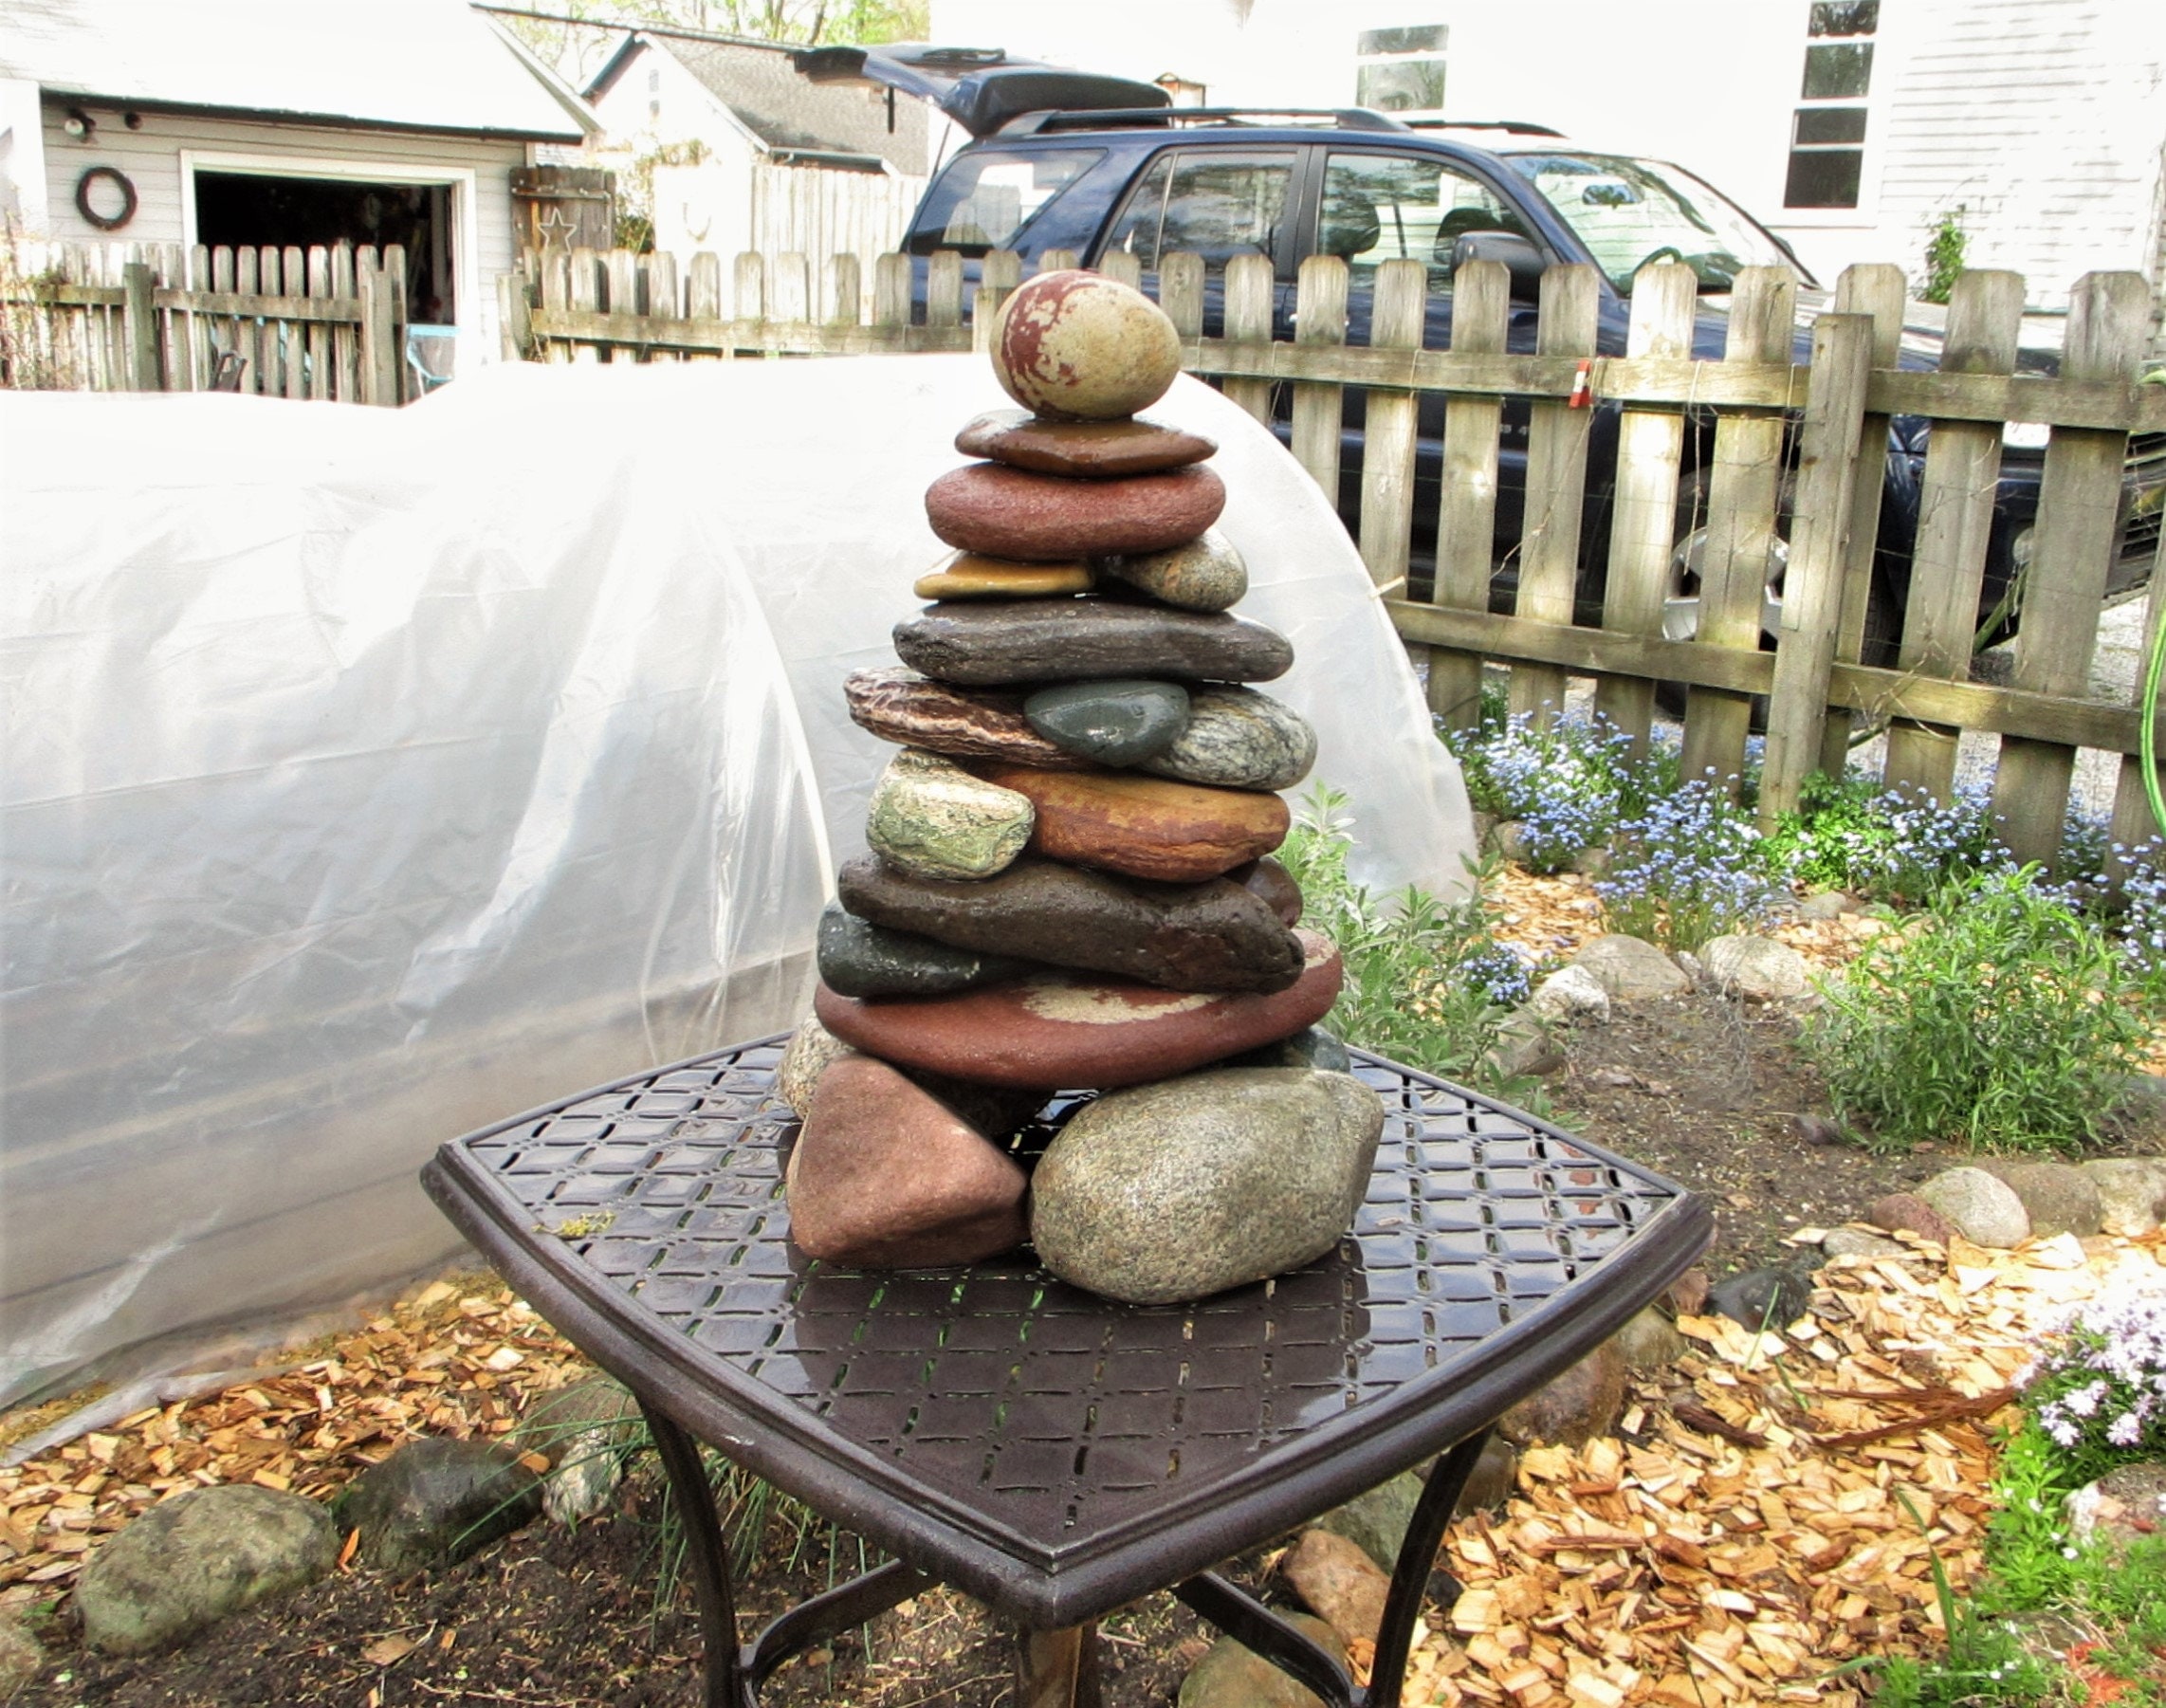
x=1081, y=449
x=1146, y=827
x=898, y=705
x=1238, y=739
x=1042, y=518
x=1174, y=1191
x=1120, y=722
x=1068, y=1030
x=1075, y=640
x=885, y=1176
x=1207, y=574
x=974, y=576
x=1080, y=346
x=930, y=816
x=1209, y=936
x=860, y=959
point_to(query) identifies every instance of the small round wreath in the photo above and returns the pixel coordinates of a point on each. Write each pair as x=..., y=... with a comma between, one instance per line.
x=105, y=222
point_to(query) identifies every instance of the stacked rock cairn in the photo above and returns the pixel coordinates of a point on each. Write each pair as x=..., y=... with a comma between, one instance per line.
x=1070, y=886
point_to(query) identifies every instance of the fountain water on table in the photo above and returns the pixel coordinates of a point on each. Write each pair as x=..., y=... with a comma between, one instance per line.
x=1070, y=885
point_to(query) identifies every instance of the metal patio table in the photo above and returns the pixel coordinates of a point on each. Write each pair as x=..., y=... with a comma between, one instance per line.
x=1050, y=1452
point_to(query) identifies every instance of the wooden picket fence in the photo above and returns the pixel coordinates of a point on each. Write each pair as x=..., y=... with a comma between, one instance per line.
x=322, y=323
x=1823, y=425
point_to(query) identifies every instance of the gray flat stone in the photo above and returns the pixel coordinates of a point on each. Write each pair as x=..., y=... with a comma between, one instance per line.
x=1984, y=1211
x=1856, y=1242
x=1757, y=968
x=1649, y=1341
x=860, y=959
x=1180, y=1189
x=436, y=1502
x=1772, y=1298
x=2058, y=1196
x=2131, y=1192
x=1205, y=574
x=1023, y=642
x=1122, y=722
x=1238, y=739
x=1631, y=969
x=1230, y=1675
x=197, y=1558
x=1570, y=996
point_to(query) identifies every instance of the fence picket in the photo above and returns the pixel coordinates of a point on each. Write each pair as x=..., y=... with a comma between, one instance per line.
x=1387, y=436
x=891, y=292
x=793, y=288
x=586, y=298
x=847, y=308
x=1123, y=266
x=1057, y=261
x=1466, y=510
x=1876, y=289
x=2073, y=547
x=293, y=343
x=1251, y=297
x=1556, y=484
x=1319, y=407
x=998, y=274
x=658, y=279
x=1955, y=521
x=943, y=290
x=1181, y=282
x=1744, y=488
x=1642, y=516
x=1812, y=583
x=703, y=297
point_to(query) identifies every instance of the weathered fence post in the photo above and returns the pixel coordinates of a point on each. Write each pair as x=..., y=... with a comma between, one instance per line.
x=1813, y=584
x=1401, y=307
x=1642, y=516
x=1250, y=293
x=1180, y=294
x=1955, y=521
x=998, y=274
x=1466, y=508
x=1556, y=484
x=891, y=292
x=139, y=322
x=2072, y=549
x=1319, y=406
x=380, y=352
x=943, y=290
x=1744, y=491
x=2132, y=823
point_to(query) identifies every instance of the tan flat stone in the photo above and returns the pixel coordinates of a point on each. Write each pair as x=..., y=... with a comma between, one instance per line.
x=974, y=576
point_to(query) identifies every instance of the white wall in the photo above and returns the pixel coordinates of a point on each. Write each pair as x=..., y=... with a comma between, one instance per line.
x=150, y=159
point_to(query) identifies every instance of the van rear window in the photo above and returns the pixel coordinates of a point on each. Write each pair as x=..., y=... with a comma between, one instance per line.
x=985, y=198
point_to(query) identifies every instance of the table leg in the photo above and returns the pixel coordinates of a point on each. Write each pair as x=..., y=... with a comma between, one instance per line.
x=707, y=1553
x=1410, y=1575
x=1057, y=1669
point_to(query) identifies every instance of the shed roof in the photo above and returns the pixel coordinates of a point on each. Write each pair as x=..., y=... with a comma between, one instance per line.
x=408, y=64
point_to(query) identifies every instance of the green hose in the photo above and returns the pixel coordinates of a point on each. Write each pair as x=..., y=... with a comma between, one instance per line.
x=2147, y=738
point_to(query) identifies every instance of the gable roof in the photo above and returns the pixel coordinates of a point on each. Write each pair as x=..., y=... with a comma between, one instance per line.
x=759, y=83
x=404, y=65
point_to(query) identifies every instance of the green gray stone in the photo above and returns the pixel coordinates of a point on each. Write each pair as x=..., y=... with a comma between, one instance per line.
x=933, y=818
x=860, y=959
x=1205, y=574
x=1313, y=1047
x=1238, y=739
x=192, y=1560
x=1233, y=1675
x=1121, y=722
x=1172, y=1191
x=436, y=1502
x=1375, y=1521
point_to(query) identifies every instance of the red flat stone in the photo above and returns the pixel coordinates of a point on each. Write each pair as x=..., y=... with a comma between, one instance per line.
x=885, y=1176
x=1008, y=512
x=1080, y=1033
x=1081, y=449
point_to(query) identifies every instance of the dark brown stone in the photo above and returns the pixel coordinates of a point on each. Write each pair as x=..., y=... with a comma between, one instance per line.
x=1040, y=518
x=1017, y=641
x=1081, y=449
x=1274, y=884
x=1209, y=936
x=1908, y=1213
x=1078, y=1032
x=898, y=705
x=885, y=1176
x=1145, y=827
x=1580, y=1405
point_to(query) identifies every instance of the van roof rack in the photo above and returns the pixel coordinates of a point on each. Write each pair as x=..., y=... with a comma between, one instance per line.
x=1517, y=127
x=1344, y=118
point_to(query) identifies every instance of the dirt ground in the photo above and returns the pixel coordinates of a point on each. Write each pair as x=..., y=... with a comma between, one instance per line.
x=1702, y=1089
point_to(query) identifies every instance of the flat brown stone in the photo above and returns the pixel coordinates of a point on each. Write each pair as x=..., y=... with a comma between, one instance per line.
x=1042, y=518
x=1076, y=1032
x=1146, y=827
x=974, y=576
x=1081, y=449
x=1209, y=936
x=898, y=705
x=1009, y=642
x=885, y=1176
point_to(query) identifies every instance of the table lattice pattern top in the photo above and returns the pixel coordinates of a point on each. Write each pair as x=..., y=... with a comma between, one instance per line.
x=1052, y=1411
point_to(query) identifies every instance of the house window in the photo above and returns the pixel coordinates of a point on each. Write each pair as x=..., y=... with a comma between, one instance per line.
x=1401, y=70
x=1827, y=129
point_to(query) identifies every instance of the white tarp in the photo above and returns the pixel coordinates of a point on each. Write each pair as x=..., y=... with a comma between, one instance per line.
x=371, y=775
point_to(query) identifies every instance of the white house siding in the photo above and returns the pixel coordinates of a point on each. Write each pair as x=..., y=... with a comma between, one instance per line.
x=150, y=159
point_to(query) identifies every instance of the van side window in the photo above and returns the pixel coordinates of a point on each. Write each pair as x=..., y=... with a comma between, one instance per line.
x=1378, y=208
x=1215, y=205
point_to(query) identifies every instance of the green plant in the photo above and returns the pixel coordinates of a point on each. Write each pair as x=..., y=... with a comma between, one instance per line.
x=2100, y=1392
x=1425, y=982
x=1687, y=869
x=2001, y=1018
x=1944, y=250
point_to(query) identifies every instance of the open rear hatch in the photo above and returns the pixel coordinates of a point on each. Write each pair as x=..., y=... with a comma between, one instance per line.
x=981, y=88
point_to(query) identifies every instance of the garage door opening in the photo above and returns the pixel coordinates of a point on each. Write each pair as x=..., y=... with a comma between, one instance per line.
x=235, y=207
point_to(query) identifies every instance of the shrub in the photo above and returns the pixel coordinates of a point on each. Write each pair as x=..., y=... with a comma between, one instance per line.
x=1565, y=784
x=2100, y=1392
x=1850, y=834
x=1425, y=982
x=2003, y=1018
x=1686, y=869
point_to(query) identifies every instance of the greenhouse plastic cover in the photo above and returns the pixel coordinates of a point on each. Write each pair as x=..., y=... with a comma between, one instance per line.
x=375, y=775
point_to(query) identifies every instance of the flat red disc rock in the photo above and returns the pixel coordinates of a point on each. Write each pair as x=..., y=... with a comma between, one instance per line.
x=1080, y=1033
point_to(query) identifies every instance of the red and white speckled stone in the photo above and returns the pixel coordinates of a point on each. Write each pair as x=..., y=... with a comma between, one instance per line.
x=1081, y=347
